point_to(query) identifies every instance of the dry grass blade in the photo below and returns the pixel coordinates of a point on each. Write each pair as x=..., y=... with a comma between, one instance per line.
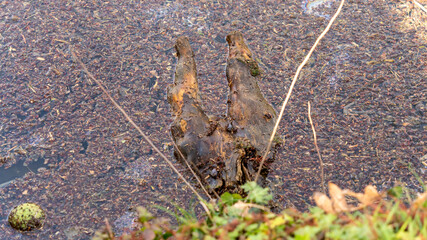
x=109, y=230
x=420, y=201
x=317, y=149
x=293, y=84
x=132, y=122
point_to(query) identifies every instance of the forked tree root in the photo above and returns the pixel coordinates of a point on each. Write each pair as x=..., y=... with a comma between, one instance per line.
x=225, y=152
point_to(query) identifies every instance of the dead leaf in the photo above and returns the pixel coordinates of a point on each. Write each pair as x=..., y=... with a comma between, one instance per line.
x=338, y=199
x=338, y=203
x=245, y=207
x=371, y=196
x=323, y=202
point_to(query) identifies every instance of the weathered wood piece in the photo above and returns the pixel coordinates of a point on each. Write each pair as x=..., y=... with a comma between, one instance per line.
x=225, y=152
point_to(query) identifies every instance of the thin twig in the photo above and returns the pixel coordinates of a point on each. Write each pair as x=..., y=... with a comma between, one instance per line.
x=317, y=149
x=362, y=88
x=109, y=231
x=292, y=86
x=192, y=171
x=420, y=6
x=132, y=122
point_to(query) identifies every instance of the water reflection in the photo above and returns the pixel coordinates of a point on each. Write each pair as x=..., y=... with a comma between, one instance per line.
x=7, y=175
x=20, y=159
x=316, y=7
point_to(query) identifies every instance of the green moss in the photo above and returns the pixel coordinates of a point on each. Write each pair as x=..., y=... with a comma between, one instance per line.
x=254, y=72
x=242, y=143
x=278, y=140
x=254, y=67
x=26, y=217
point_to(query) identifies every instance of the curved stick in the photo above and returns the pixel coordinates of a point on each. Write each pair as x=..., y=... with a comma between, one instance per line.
x=293, y=84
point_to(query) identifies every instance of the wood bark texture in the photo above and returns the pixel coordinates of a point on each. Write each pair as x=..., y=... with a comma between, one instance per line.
x=224, y=152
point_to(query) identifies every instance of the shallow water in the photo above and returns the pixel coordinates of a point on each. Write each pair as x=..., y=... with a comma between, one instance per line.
x=364, y=82
x=19, y=170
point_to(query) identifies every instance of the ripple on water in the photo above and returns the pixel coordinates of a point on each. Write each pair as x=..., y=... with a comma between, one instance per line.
x=337, y=64
x=125, y=223
x=139, y=170
x=315, y=7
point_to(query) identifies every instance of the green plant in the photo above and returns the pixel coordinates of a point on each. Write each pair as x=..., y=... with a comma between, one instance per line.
x=234, y=217
x=181, y=215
